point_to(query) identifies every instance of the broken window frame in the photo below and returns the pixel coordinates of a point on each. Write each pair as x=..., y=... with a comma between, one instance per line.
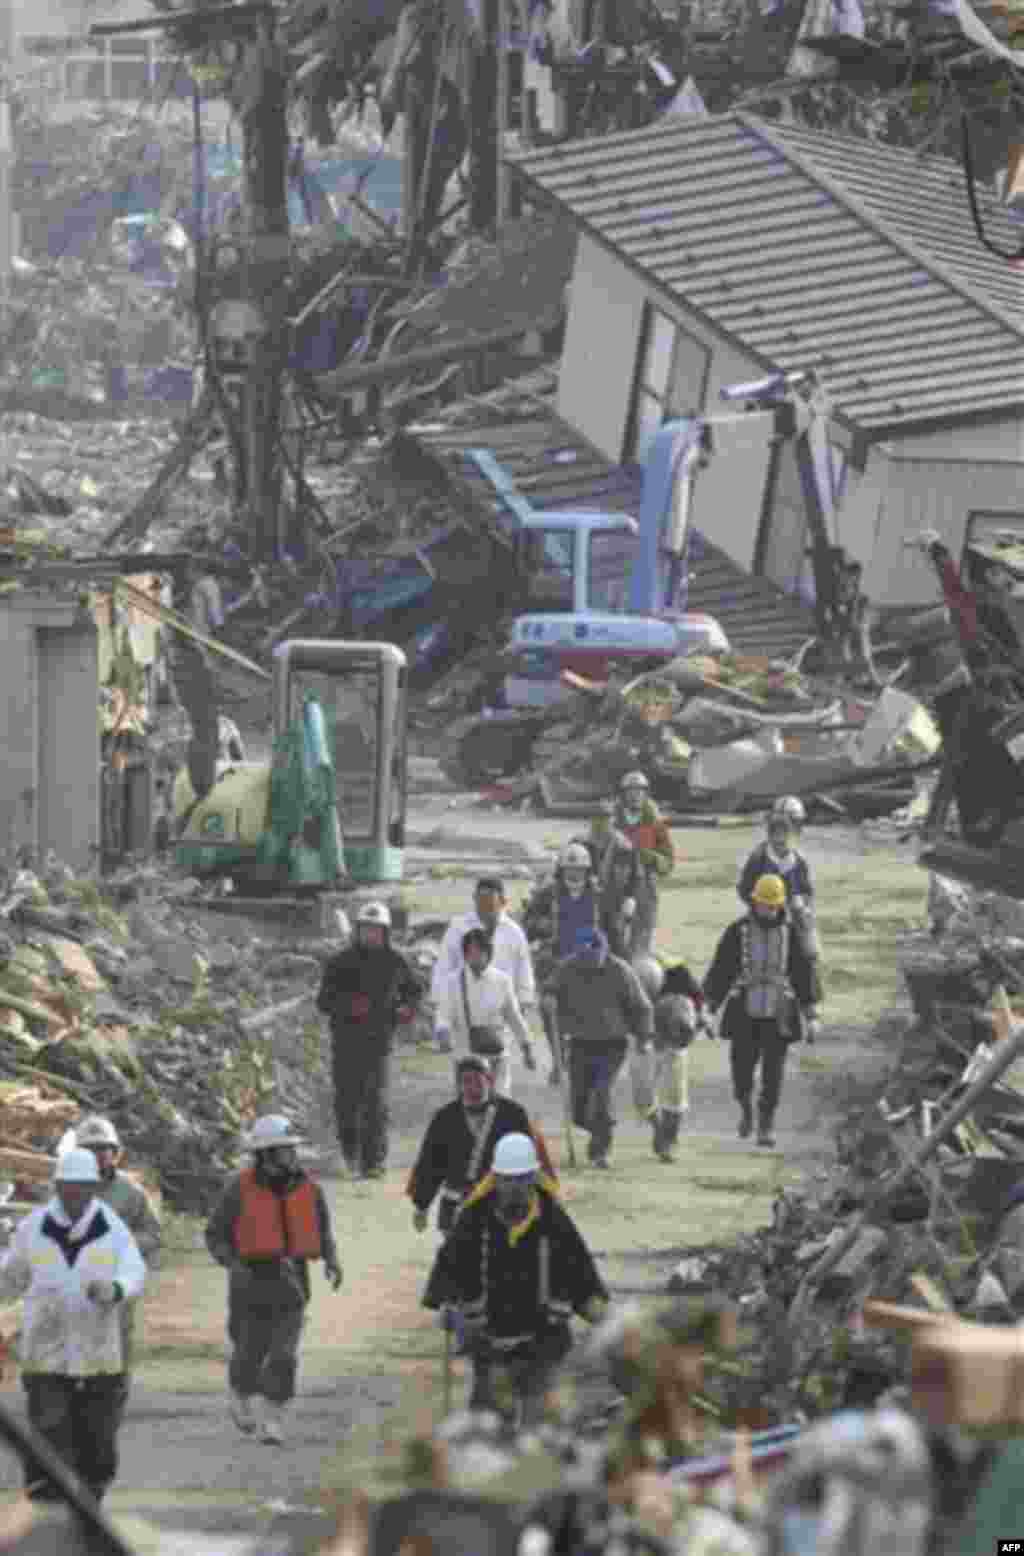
x=665, y=400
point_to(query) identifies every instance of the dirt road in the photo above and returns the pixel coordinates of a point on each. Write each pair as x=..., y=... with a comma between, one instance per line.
x=371, y=1368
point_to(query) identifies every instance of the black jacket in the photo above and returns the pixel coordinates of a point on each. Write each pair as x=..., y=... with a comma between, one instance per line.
x=488, y=1277
x=362, y=990
x=727, y=968
x=449, y=1151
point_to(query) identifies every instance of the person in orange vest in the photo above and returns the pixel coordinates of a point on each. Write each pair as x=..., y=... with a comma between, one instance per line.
x=271, y=1222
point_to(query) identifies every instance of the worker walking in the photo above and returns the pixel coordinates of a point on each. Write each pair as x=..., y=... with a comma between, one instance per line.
x=133, y=1205
x=509, y=950
x=769, y=990
x=623, y=883
x=678, y=1002
x=479, y=1009
x=779, y=855
x=517, y=1269
x=458, y=1147
x=75, y=1263
x=639, y=820
x=272, y=1220
x=598, y=1005
x=367, y=990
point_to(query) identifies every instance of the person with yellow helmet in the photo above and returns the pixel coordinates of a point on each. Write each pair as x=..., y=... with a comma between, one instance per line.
x=768, y=990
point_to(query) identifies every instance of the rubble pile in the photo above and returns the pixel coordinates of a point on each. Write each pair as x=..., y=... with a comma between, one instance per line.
x=729, y=733
x=117, y=1001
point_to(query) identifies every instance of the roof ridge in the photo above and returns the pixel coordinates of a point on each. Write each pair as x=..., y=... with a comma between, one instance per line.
x=809, y=167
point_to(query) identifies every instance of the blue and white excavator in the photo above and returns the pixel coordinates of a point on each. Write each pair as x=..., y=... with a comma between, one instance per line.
x=617, y=585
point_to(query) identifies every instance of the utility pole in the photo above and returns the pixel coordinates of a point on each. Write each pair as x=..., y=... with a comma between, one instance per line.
x=6, y=148
x=484, y=138
x=263, y=106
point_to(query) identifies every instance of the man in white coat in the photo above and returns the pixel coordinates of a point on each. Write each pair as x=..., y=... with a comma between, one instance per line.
x=75, y=1262
x=479, y=1009
x=510, y=954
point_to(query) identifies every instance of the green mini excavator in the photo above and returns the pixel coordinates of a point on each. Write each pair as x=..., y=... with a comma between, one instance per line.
x=328, y=809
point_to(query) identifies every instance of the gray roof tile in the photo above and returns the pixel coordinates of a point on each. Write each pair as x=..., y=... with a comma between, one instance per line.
x=811, y=249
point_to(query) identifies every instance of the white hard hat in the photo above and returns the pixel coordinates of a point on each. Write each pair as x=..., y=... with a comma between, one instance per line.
x=635, y=780
x=77, y=1166
x=651, y=975
x=374, y=913
x=575, y=856
x=789, y=808
x=271, y=1130
x=96, y=1131
x=514, y=1156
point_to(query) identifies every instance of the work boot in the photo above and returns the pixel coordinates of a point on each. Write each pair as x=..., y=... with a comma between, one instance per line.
x=657, y=1123
x=746, y=1125
x=670, y=1123
x=243, y=1413
x=272, y=1425
x=765, y=1130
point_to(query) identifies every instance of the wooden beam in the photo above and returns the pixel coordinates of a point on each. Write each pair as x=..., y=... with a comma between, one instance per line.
x=345, y=380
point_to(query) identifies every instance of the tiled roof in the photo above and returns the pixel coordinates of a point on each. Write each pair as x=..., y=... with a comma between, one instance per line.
x=811, y=249
x=554, y=467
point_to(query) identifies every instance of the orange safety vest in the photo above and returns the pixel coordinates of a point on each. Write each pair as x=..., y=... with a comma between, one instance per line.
x=276, y=1226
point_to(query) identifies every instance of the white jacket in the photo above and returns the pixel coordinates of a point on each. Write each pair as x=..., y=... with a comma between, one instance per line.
x=62, y=1330
x=511, y=955
x=492, y=1003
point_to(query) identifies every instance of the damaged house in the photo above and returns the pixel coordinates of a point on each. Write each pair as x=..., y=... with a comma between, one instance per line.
x=715, y=251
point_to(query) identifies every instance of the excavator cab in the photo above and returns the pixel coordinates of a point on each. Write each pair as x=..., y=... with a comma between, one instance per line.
x=328, y=809
x=360, y=689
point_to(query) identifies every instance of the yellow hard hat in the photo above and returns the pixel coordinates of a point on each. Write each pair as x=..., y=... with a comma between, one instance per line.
x=770, y=891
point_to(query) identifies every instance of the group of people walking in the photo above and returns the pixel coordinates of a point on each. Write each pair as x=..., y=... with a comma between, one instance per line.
x=512, y=1268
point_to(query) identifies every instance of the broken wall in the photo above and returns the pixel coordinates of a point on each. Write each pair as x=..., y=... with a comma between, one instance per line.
x=901, y=494
x=50, y=752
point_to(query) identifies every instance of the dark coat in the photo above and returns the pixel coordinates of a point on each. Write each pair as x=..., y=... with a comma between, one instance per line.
x=508, y=1296
x=361, y=992
x=726, y=970
x=448, y=1150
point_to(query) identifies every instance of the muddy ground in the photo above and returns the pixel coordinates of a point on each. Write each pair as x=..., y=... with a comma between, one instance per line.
x=371, y=1366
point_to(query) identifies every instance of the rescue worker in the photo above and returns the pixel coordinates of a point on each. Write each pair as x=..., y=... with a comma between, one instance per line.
x=75, y=1263
x=678, y=1002
x=271, y=1221
x=518, y=1269
x=599, y=1004
x=638, y=818
x=778, y=855
x=977, y=605
x=460, y=1141
x=510, y=952
x=573, y=904
x=480, y=1008
x=623, y=882
x=769, y=990
x=133, y=1205
x=367, y=989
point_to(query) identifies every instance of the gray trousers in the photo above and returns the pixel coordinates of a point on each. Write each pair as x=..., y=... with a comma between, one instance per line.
x=264, y=1351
